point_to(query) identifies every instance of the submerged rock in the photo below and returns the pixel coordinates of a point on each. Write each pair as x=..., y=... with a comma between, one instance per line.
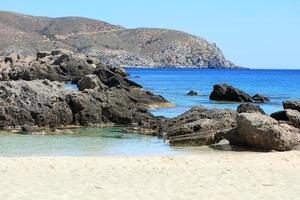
x=249, y=108
x=28, y=129
x=263, y=132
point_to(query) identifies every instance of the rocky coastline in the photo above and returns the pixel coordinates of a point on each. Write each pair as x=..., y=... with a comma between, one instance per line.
x=34, y=100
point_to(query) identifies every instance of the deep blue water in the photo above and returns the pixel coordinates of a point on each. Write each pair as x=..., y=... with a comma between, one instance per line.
x=173, y=84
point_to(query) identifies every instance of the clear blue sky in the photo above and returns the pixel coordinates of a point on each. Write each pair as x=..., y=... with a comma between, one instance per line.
x=251, y=33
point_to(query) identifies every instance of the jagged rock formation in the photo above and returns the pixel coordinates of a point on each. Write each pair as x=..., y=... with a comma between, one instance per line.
x=30, y=94
x=114, y=45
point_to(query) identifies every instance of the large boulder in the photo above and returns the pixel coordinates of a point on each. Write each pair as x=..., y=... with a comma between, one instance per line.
x=199, y=126
x=291, y=117
x=224, y=92
x=249, y=108
x=263, y=132
x=293, y=105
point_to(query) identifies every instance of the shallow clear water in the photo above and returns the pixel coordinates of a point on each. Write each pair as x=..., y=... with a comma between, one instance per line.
x=173, y=84
x=89, y=142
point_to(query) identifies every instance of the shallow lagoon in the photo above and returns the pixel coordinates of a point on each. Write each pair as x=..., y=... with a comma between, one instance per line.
x=90, y=142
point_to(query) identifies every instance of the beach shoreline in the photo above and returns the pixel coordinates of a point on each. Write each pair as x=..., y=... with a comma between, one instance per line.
x=217, y=175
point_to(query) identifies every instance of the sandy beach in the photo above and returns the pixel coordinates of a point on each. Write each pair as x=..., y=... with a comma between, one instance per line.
x=218, y=175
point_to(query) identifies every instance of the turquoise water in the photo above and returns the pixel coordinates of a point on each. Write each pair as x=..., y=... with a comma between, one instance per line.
x=278, y=85
x=89, y=142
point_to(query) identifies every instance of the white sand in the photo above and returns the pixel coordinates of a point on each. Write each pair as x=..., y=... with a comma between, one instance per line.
x=217, y=176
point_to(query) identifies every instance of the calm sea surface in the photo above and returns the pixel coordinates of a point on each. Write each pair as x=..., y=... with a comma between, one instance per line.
x=174, y=84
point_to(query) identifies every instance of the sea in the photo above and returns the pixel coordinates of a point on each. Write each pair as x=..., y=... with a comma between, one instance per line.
x=173, y=84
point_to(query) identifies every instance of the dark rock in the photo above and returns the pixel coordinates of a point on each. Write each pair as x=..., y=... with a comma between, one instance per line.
x=56, y=52
x=86, y=109
x=104, y=73
x=192, y=93
x=8, y=59
x=112, y=79
x=293, y=105
x=280, y=116
x=89, y=61
x=199, y=126
x=48, y=104
x=63, y=58
x=224, y=92
x=42, y=54
x=249, y=108
x=90, y=82
x=263, y=132
x=120, y=71
x=260, y=98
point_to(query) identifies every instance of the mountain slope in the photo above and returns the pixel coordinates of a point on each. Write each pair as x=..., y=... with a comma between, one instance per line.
x=112, y=44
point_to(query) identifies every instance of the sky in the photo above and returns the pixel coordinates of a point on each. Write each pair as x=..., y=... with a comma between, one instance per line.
x=251, y=33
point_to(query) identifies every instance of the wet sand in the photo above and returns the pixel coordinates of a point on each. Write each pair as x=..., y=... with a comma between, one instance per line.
x=215, y=175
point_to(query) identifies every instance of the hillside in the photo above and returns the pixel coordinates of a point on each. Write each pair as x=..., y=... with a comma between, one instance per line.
x=113, y=44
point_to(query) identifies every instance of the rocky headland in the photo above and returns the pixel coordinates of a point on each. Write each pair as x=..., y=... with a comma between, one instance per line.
x=111, y=44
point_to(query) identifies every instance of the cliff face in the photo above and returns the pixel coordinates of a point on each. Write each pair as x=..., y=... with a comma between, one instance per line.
x=112, y=44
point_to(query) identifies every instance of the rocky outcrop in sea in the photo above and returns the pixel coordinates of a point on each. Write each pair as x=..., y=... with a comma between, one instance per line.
x=225, y=92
